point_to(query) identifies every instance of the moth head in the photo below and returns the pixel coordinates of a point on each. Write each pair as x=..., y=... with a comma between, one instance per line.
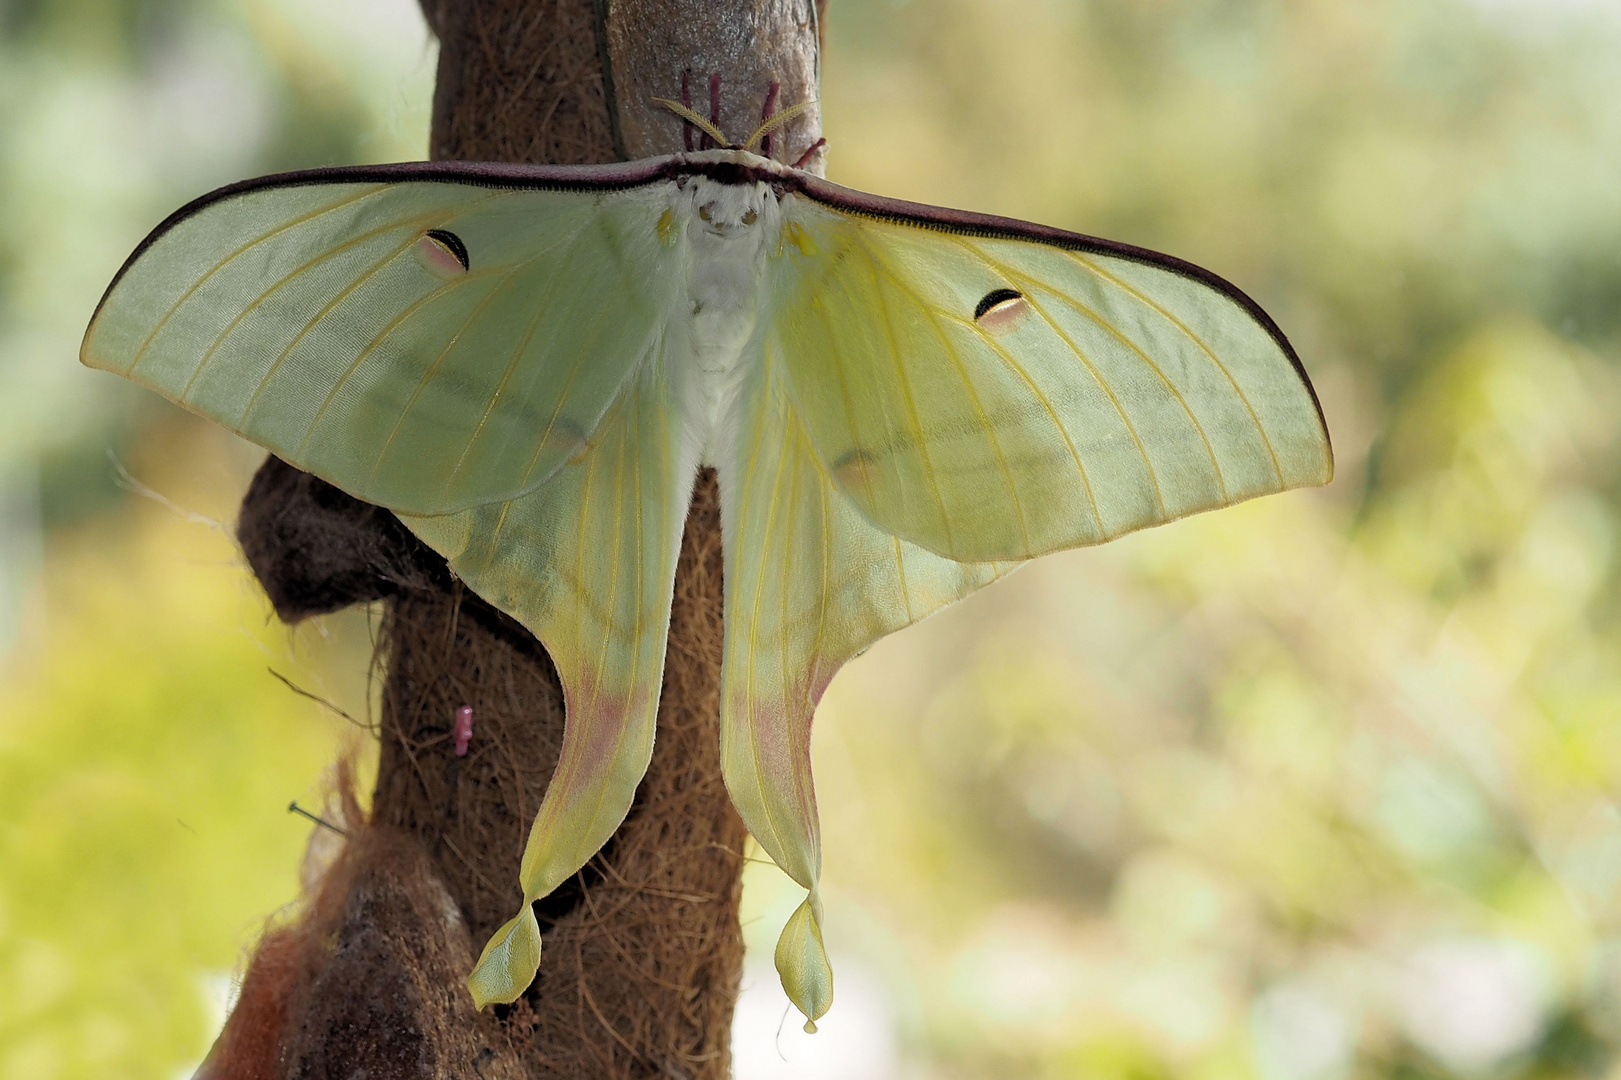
x=728, y=209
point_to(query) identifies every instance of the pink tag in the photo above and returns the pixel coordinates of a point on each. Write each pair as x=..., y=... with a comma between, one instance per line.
x=464, y=729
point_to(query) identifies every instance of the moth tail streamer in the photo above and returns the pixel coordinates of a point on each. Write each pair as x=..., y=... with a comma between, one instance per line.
x=766, y=761
x=509, y=961
x=802, y=964
x=605, y=754
x=586, y=562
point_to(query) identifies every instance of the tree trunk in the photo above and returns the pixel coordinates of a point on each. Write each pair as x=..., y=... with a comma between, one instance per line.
x=643, y=952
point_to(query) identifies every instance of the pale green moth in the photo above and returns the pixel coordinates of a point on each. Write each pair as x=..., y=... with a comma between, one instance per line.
x=528, y=364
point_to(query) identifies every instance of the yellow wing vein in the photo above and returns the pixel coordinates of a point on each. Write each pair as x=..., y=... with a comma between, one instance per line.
x=860, y=458
x=512, y=365
x=276, y=285
x=752, y=460
x=557, y=411
x=393, y=325
x=785, y=669
x=825, y=601
x=754, y=629
x=909, y=400
x=568, y=766
x=844, y=395
x=255, y=242
x=326, y=309
x=627, y=453
x=1051, y=411
x=558, y=408
x=609, y=630
x=1040, y=395
x=792, y=694
x=1103, y=385
x=1086, y=310
x=933, y=316
x=433, y=368
x=900, y=572
x=1214, y=359
x=495, y=533
x=589, y=467
x=1153, y=477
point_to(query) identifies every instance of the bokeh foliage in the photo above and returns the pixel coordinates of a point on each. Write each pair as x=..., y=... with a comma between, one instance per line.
x=146, y=760
x=147, y=753
x=1317, y=788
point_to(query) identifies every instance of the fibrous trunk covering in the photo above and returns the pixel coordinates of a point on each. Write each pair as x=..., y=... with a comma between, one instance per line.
x=643, y=951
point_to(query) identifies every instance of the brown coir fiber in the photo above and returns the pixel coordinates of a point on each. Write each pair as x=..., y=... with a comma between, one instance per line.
x=379, y=910
x=643, y=952
x=519, y=80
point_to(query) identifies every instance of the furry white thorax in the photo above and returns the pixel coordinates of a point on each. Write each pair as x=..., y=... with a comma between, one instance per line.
x=724, y=228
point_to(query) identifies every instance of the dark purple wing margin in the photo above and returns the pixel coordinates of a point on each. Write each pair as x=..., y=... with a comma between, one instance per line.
x=613, y=177
x=620, y=175
x=963, y=221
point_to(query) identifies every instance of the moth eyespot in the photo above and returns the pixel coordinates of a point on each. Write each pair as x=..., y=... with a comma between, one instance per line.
x=568, y=432
x=442, y=253
x=703, y=212
x=667, y=228
x=1000, y=310
x=799, y=238
x=750, y=217
x=851, y=470
x=994, y=299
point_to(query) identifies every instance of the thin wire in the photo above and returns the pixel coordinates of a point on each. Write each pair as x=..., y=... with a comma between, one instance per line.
x=785, y=1010
x=294, y=808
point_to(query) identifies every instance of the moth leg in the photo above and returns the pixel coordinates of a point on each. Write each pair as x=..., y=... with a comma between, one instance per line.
x=765, y=114
x=714, y=108
x=686, y=99
x=804, y=159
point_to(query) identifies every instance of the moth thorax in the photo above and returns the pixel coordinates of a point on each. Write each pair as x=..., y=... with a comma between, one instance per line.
x=729, y=208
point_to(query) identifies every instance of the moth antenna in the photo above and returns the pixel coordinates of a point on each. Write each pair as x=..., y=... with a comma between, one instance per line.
x=808, y=154
x=709, y=130
x=764, y=130
x=714, y=106
x=765, y=114
x=686, y=99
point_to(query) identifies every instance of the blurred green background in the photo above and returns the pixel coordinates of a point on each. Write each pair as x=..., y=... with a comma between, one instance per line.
x=1319, y=788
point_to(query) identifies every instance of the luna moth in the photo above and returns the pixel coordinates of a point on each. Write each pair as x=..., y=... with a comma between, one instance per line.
x=529, y=364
